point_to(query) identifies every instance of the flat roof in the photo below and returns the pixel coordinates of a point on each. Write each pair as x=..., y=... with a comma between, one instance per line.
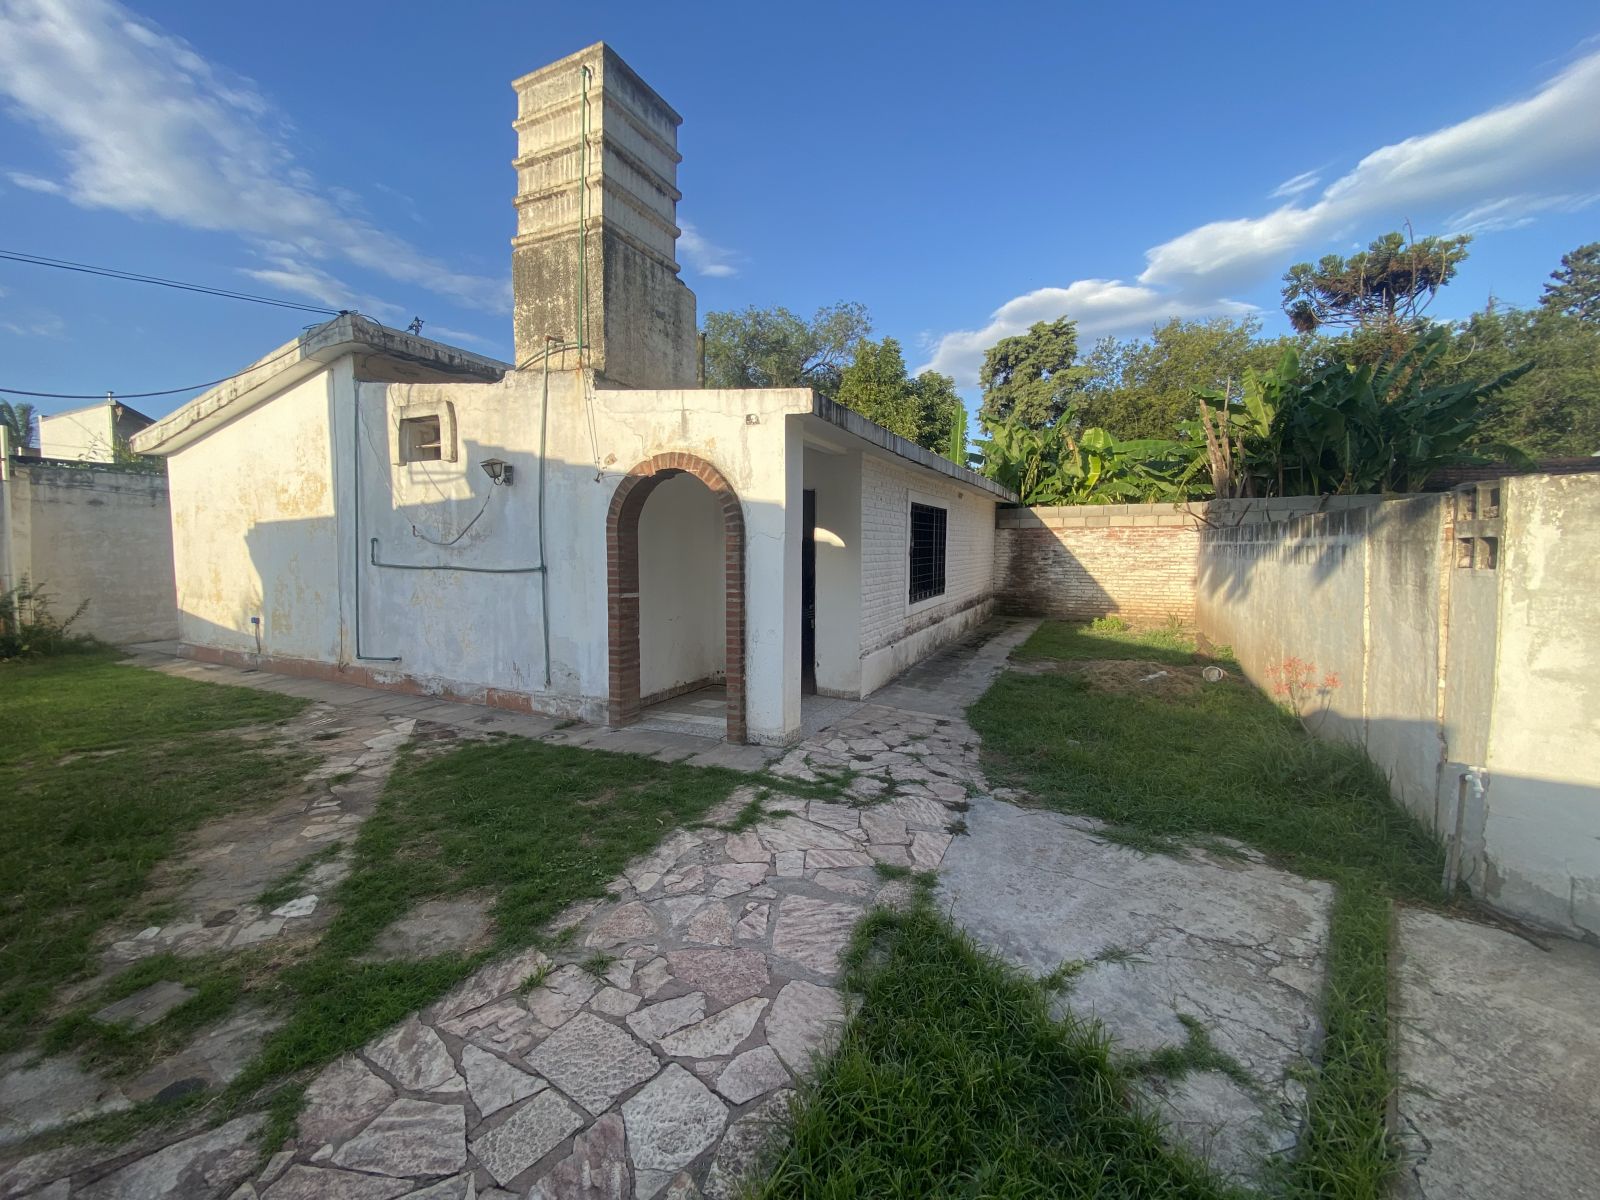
x=299, y=359
x=870, y=431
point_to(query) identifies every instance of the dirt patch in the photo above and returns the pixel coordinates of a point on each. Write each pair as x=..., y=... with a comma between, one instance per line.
x=1130, y=677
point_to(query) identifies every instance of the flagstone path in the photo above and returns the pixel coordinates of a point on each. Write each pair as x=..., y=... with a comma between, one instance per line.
x=659, y=1068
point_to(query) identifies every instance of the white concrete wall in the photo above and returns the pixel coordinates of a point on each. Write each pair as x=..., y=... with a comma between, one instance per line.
x=85, y=436
x=682, y=599
x=473, y=630
x=836, y=479
x=254, y=532
x=98, y=535
x=1541, y=832
x=895, y=634
x=1444, y=670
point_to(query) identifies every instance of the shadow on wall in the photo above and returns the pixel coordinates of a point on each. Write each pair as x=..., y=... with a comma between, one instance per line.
x=449, y=587
x=1235, y=543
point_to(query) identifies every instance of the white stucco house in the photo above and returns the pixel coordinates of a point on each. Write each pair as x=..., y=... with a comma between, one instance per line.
x=583, y=533
x=91, y=433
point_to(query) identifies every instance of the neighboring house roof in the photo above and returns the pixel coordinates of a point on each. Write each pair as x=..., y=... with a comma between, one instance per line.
x=304, y=357
x=127, y=411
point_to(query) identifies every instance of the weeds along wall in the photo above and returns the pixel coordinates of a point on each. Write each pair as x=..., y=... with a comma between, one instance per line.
x=91, y=533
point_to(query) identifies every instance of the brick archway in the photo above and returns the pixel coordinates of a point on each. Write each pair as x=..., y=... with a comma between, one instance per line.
x=622, y=581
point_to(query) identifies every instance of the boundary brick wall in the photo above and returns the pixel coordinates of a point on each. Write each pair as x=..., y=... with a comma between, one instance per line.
x=1136, y=561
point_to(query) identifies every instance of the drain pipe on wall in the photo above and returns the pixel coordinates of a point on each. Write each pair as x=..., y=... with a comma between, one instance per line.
x=355, y=408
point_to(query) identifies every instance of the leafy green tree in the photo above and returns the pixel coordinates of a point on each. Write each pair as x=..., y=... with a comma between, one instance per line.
x=1341, y=429
x=1146, y=387
x=1379, y=294
x=773, y=347
x=940, y=414
x=875, y=385
x=19, y=419
x=1056, y=466
x=1575, y=285
x=1030, y=378
x=1554, y=409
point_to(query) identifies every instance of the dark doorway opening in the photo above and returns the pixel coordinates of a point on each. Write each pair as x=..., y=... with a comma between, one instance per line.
x=808, y=594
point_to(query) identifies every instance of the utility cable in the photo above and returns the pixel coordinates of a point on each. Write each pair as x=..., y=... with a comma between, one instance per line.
x=194, y=387
x=39, y=260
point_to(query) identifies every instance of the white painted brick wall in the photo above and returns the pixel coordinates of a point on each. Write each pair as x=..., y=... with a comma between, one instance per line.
x=887, y=491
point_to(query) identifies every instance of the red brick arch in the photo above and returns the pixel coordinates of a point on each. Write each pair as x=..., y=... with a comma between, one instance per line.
x=622, y=581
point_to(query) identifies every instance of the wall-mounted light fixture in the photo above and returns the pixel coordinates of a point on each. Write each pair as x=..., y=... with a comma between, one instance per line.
x=498, y=470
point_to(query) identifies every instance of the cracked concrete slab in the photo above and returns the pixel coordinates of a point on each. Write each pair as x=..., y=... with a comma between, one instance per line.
x=1238, y=945
x=1499, y=1053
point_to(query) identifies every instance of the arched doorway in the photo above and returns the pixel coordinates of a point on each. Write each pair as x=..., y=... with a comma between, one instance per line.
x=623, y=582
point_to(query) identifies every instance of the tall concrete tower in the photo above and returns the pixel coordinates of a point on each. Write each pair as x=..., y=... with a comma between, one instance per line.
x=594, y=257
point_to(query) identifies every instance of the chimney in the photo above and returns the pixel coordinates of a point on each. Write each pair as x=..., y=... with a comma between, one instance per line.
x=594, y=259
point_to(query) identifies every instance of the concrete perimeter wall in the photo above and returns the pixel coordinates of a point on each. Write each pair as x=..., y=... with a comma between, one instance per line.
x=1461, y=628
x=92, y=533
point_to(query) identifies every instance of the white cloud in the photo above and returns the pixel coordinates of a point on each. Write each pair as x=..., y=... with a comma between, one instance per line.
x=35, y=183
x=1515, y=212
x=1294, y=185
x=39, y=325
x=294, y=277
x=1500, y=169
x=147, y=127
x=705, y=257
x=1541, y=144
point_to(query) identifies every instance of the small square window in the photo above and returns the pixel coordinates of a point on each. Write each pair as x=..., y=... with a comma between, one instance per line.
x=1464, y=552
x=1489, y=553
x=928, y=525
x=420, y=440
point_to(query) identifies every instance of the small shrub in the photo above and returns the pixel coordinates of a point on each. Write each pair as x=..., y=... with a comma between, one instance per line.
x=28, y=628
x=1110, y=624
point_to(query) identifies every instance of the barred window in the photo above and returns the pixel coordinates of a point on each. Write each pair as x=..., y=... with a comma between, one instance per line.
x=927, y=551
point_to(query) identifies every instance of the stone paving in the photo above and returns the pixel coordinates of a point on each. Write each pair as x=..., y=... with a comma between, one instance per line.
x=1498, y=1045
x=657, y=1054
x=1229, y=942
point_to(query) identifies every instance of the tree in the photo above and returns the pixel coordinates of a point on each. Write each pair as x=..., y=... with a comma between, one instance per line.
x=1146, y=387
x=1379, y=294
x=1575, y=286
x=772, y=347
x=875, y=385
x=1340, y=429
x=1554, y=409
x=941, y=416
x=19, y=420
x=1030, y=378
x=1056, y=466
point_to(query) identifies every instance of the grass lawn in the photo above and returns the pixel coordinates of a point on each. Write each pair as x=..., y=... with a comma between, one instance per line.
x=954, y=1081
x=103, y=769
x=534, y=826
x=1187, y=764
x=106, y=767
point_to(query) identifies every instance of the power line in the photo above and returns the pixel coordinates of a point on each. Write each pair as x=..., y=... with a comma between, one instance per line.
x=295, y=349
x=38, y=260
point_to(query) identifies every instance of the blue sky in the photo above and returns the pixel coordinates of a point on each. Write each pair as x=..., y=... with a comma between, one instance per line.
x=963, y=170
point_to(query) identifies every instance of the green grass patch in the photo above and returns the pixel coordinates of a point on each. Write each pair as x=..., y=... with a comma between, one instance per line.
x=1060, y=641
x=534, y=826
x=1186, y=767
x=953, y=1080
x=289, y=887
x=103, y=769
